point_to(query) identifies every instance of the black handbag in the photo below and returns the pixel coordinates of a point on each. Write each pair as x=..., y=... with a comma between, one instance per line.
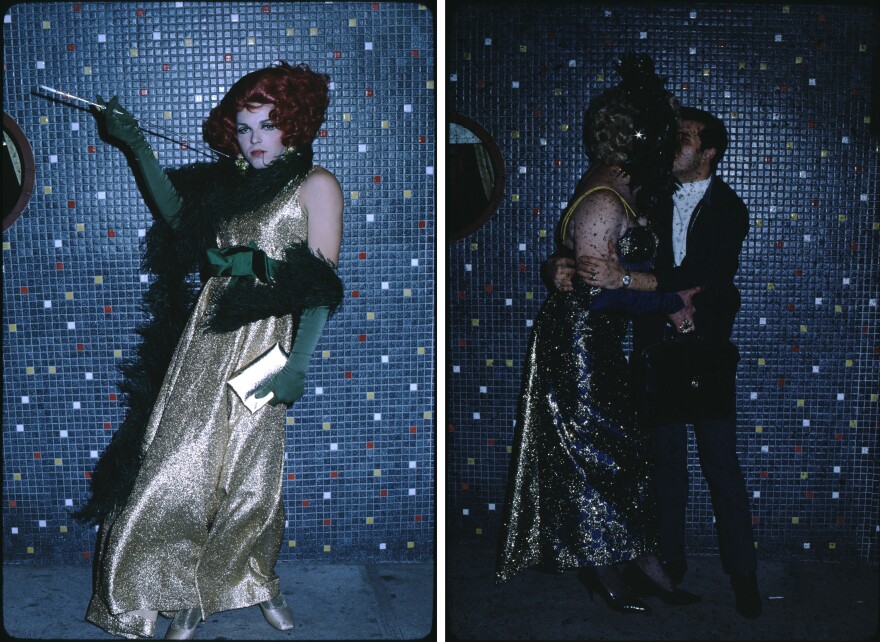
x=687, y=379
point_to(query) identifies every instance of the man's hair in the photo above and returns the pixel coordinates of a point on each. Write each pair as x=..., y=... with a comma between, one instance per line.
x=712, y=136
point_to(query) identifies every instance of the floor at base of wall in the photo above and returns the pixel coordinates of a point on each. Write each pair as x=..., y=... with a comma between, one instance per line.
x=801, y=601
x=329, y=602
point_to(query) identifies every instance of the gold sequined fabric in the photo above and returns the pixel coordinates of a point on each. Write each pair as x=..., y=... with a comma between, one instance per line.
x=204, y=522
x=577, y=492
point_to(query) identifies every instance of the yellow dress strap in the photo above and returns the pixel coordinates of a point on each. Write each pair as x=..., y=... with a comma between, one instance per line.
x=567, y=216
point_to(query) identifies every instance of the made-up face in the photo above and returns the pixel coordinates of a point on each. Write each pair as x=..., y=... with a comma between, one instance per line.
x=691, y=164
x=258, y=138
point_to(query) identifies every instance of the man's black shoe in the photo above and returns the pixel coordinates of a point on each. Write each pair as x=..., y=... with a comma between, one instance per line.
x=675, y=571
x=748, y=601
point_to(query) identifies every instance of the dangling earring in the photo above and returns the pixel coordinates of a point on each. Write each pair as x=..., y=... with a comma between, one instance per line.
x=290, y=151
x=241, y=164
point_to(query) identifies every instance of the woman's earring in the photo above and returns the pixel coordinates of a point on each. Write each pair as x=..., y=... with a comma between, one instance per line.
x=241, y=164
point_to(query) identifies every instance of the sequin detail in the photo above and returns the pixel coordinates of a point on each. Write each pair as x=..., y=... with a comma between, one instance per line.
x=204, y=522
x=578, y=492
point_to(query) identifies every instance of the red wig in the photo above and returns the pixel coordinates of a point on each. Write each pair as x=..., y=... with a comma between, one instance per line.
x=299, y=95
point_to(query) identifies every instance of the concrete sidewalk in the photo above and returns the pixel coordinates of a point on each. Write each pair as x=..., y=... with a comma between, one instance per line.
x=329, y=602
x=802, y=601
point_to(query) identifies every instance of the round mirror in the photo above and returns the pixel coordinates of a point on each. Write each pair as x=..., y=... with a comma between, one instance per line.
x=475, y=177
x=18, y=171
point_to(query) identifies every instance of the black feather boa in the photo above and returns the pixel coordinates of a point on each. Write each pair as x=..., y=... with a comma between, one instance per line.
x=212, y=193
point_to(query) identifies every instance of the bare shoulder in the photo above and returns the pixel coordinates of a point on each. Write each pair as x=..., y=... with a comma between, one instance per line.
x=603, y=203
x=320, y=184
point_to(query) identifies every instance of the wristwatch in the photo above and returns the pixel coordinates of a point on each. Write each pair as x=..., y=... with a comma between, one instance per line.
x=627, y=279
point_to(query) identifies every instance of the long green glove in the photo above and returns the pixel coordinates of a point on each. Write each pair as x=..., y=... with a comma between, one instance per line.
x=289, y=383
x=122, y=126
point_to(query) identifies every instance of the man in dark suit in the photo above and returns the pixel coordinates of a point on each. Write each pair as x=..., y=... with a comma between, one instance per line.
x=701, y=230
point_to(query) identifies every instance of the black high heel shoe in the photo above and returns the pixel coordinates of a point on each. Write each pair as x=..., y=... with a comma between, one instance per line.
x=626, y=603
x=644, y=586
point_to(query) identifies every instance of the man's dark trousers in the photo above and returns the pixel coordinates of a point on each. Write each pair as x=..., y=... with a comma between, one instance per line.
x=716, y=444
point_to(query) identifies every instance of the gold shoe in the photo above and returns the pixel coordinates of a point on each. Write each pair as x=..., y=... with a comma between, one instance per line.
x=184, y=625
x=277, y=613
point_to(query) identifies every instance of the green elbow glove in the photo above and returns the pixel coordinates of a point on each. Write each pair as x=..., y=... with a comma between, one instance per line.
x=289, y=383
x=122, y=126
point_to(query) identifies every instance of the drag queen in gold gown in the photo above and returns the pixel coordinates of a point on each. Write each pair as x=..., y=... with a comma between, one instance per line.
x=196, y=526
x=578, y=493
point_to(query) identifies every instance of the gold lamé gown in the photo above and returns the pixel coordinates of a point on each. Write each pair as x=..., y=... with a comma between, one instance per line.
x=203, y=525
x=578, y=488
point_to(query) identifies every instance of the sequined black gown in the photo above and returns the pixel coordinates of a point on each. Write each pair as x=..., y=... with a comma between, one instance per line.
x=578, y=487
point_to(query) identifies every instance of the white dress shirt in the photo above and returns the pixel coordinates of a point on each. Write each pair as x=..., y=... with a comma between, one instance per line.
x=684, y=201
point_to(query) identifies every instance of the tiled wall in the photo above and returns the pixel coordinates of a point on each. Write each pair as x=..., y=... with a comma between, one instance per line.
x=360, y=451
x=793, y=84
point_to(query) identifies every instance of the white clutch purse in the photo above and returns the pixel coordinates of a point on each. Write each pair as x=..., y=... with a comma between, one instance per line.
x=249, y=379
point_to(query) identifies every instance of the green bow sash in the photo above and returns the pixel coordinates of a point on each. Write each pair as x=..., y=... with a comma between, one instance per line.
x=240, y=260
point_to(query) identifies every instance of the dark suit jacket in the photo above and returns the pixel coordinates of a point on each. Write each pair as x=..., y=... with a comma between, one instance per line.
x=715, y=236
